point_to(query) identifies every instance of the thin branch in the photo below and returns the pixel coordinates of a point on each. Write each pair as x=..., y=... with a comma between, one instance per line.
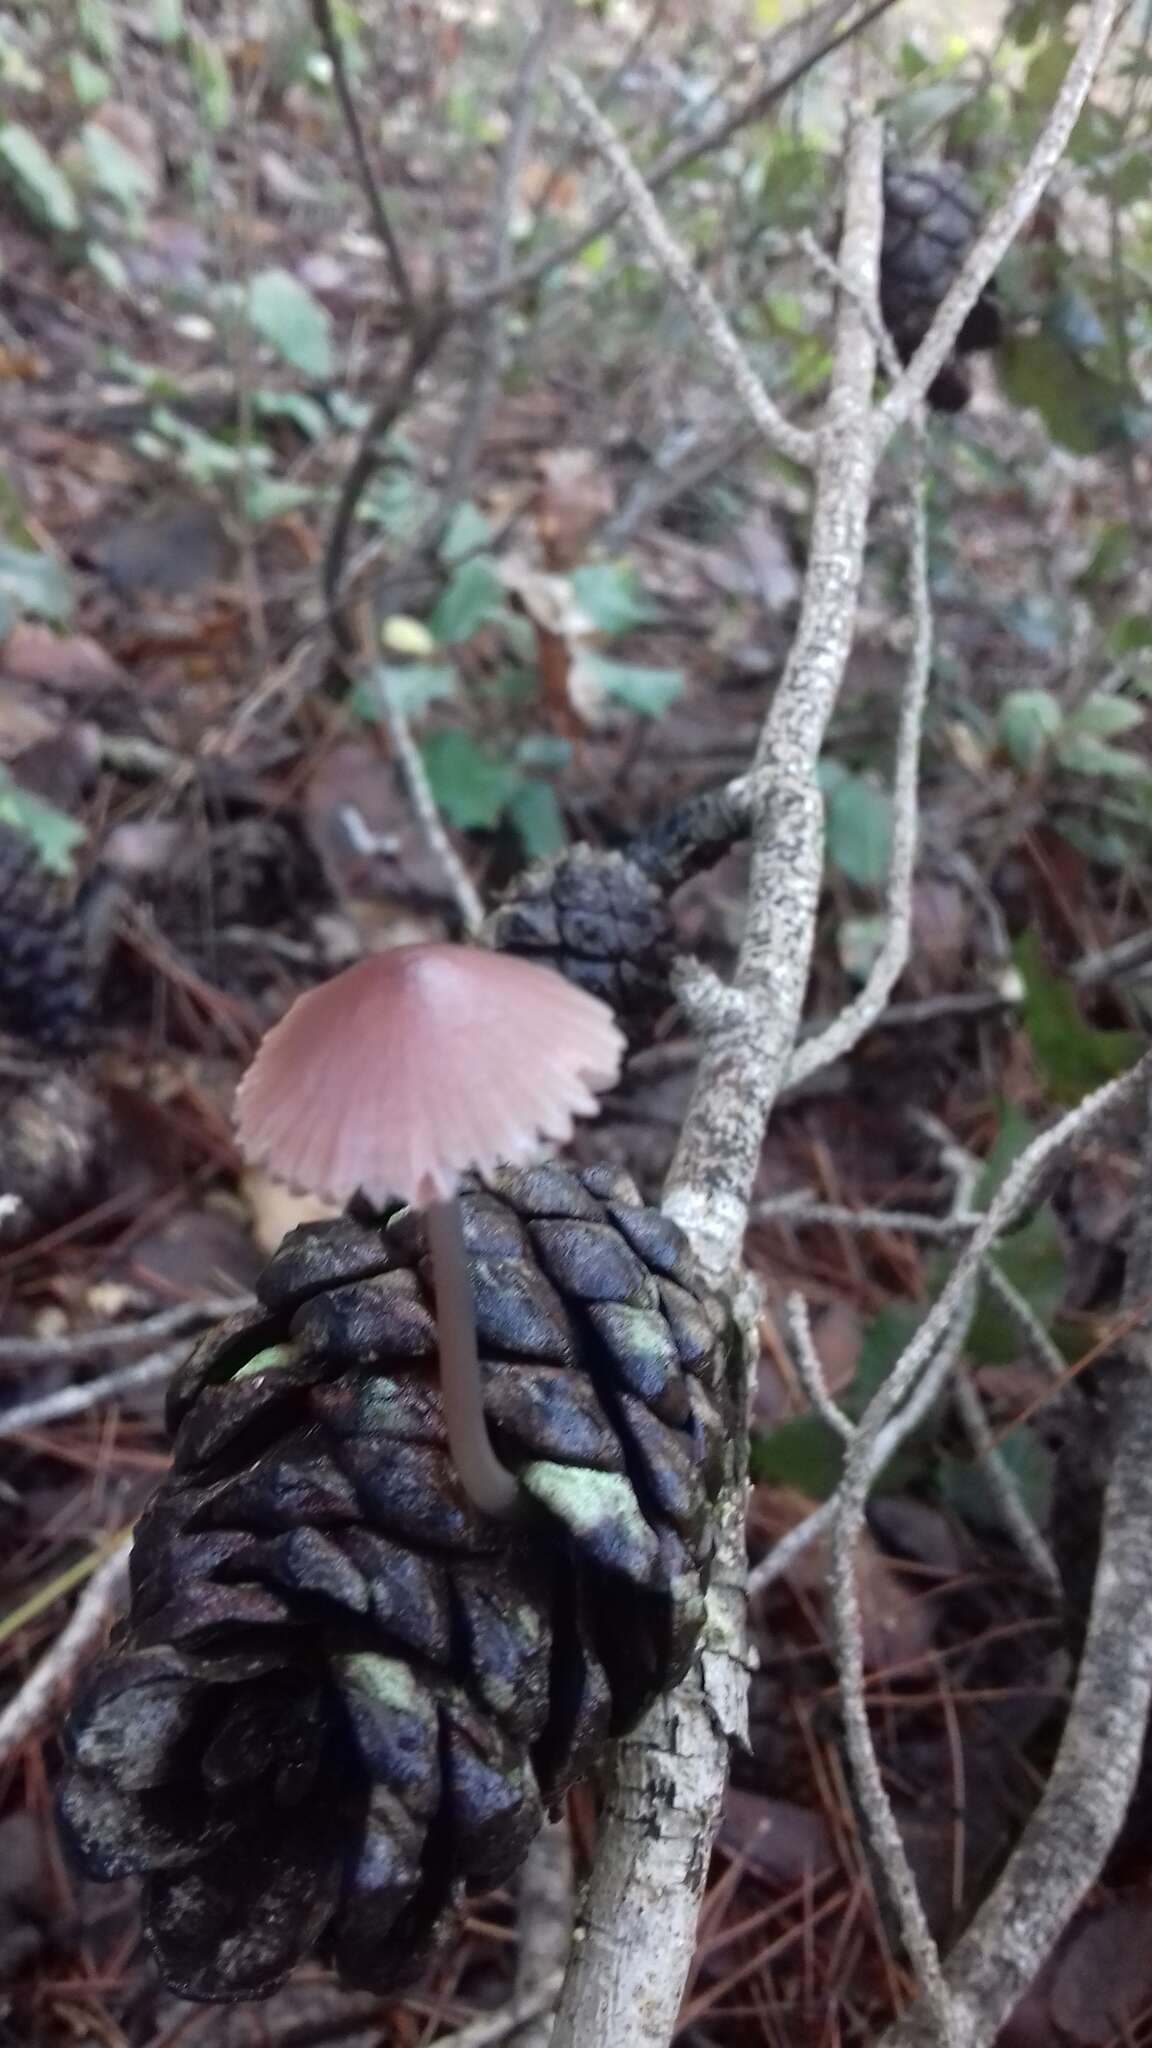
x=799, y=1213
x=1047, y=1354
x=329, y=35
x=1004, y=224
x=1001, y=1482
x=77, y=1400
x=490, y=323
x=168, y=1322
x=742, y=1068
x=543, y=1923
x=663, y=1805
x=505, y=2024
x=778, y=1561
x=56, y=1673
x=865, y=1009
x=774, y=87
x=810, y=1371
x=423, y=344
x=922, y=1372
x=410, y=761
x=1062, y=1850
x=798, y=443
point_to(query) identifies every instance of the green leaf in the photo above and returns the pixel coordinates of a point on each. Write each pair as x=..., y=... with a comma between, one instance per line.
x=306, y=413
x=610, y=597
x=97, y=27
x=1072, y=1056
x=1084, y=755
x=211, y=78
x=410, y=687
x=472, y=595
x=35, y=583
x=858, y=825
x=53, y=833
x=114, y=170
x=802, y=1452
x=167, y=20
x=647, y=691
x=1029, y=721
x=1105, y=716
x=537, y=819
x=471, y=785
x=466, y=533
x=89, y=81
x=270, y=497
x=1081, y=409
x=39, y=184
x=1031, y=1464
x=286, y=316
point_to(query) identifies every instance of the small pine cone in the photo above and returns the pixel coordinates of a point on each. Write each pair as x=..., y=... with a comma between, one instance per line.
x=930, y=222
x=47, y=971
x=344, y=1694
x=602, y=923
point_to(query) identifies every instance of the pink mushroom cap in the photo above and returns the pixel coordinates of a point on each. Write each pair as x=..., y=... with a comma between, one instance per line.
x=418, y=1065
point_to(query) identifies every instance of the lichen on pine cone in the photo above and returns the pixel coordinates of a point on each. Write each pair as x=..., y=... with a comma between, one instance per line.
x=931, y=218
x=344, y=1695
x=600, y=921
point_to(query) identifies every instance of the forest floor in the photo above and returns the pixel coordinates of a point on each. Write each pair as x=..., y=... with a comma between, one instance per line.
x=240, y=830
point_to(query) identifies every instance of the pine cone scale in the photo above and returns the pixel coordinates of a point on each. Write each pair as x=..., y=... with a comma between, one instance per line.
x=329, y=1645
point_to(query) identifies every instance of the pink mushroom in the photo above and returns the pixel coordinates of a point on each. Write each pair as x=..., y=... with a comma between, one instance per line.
x=405, y=1072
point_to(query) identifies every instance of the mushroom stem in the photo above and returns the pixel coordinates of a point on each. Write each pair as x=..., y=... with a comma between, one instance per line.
x=484, y=1478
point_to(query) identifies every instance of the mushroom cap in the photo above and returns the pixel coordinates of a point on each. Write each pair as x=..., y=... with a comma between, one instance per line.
x=419, y=1064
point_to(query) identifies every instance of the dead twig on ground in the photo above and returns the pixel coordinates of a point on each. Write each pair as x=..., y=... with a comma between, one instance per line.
x=167, y=1322
x=56, y=1673
x=76, y=1400
x=1080, y=1813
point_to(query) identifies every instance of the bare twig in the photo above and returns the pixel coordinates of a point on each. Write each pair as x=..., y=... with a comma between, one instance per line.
x=799, y=1213
x=56, y=1673
x=168, y=1322
x=370, y=184
x=1001, y=1483
x=423, y=343
x=1063, y=1848
x=724, y=347
x=1004, y=224
x=781, y=73
x=505, y=2025
x=924, y=1368
x=489, y=333
x=127, y=1379
x=779, y=1560
x=1046, y=1353
x=809, y=1369
x=865, y=1009
x=543, y=1923
x=465, y=894
x=663, y=1806
x=743, y=1067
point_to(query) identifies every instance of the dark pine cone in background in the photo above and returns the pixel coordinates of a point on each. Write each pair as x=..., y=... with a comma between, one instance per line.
x=601, y=922
x=51, y=952
x=344, y=1695
x=931, y=216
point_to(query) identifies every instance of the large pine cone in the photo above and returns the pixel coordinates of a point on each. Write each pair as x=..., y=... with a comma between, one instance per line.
x=931, y=217
x=50, y=952
x=599, y=920
x=344, y=1694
